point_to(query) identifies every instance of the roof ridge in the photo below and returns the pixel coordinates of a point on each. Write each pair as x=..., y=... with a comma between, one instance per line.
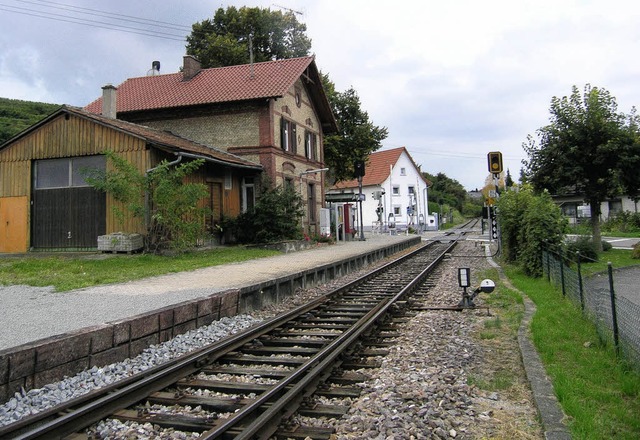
x=233, y=66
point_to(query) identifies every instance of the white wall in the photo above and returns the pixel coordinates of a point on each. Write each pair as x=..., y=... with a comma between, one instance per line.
x=389, y=201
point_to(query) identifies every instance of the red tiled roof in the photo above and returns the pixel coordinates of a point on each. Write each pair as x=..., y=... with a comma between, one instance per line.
x=216, y=85
x=377, y=168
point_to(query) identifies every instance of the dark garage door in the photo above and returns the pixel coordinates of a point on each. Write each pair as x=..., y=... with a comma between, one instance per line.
x=67, y=212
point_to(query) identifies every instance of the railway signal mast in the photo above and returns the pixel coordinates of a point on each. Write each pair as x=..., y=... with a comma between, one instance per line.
x=494, y=160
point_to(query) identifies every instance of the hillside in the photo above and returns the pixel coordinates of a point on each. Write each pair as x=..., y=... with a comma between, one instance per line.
x=16, y=115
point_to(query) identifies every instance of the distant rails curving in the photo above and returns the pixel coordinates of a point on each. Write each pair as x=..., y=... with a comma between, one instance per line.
x=249, y=385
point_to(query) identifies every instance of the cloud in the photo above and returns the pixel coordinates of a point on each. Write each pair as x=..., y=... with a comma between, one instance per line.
x=450, y=80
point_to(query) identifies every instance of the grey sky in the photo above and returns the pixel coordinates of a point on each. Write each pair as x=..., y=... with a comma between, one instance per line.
x=450, y=80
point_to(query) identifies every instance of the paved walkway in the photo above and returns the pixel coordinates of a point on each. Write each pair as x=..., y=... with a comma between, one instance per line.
x=29, y=313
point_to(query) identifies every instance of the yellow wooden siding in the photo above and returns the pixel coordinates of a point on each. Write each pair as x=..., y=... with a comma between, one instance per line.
x=140, y=159
x=70, y=137
x=15, y=178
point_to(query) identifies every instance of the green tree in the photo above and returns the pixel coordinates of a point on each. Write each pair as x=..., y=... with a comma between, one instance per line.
x=224, y=40
x=357, y=136
x=528, y=224
x=446, y=191
x=160, y=197
x=508, y=180
x=588, y=148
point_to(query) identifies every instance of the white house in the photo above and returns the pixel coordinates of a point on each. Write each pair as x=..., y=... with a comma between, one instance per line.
x=577, y=210
x=395, y=193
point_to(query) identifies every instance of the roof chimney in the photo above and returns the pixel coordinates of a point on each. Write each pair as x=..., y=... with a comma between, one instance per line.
x=191, y=67
x=109, y=101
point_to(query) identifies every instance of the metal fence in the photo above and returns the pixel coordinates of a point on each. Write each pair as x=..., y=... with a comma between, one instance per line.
x=616, y=317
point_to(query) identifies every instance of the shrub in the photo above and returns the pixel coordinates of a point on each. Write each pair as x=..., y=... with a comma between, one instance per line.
x=275, y=217
x=635, y=253
x=606, y=246
x=162, y=198
x=625, y=221
x=585, y=246
x=529, y=223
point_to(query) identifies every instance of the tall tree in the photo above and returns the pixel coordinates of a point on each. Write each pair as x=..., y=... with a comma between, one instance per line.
x=224, y=40
x=357, y=136
x=445, y=190
x=588, y=148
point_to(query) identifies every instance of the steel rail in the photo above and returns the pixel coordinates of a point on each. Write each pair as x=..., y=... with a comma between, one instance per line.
x=312, y=368
x=90, y=408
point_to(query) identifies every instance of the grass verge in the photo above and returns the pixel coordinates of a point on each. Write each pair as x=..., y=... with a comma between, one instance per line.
x=618, y=258
x=74, y=272
x=599, y=393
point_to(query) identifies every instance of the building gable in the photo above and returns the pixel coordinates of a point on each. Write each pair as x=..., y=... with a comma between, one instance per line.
x=221, y=86
x=380, y=165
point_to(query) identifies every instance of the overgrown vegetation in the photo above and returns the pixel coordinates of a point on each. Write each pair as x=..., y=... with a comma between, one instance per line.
x=584, y=246
x=625, y=222
x=276, y=216
x=599, y=393
x=16, y=116
x=161, y=198
x=75, y=272
x=528, y=224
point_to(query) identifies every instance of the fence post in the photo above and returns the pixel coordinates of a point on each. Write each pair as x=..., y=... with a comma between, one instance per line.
x=614, y=316
x=548, y=266
x=580, y=287
x=564, y=292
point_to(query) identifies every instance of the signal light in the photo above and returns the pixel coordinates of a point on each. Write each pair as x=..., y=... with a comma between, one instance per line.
x=495, y=162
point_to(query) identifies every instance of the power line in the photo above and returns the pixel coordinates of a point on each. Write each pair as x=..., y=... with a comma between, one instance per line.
x=107, y=14
x=95, y=23
x=417, y=150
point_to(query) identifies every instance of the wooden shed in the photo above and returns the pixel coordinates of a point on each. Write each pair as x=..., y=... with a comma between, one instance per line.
x=45, y=202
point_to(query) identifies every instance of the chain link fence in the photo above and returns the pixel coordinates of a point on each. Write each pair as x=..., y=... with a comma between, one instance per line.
x=617, y=318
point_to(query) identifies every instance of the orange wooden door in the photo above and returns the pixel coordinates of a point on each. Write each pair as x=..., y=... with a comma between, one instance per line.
x=13, y=224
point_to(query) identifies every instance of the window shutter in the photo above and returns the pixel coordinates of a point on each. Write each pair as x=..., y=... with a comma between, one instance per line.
x=314, y=143
x=294, y=138
x=283, y=134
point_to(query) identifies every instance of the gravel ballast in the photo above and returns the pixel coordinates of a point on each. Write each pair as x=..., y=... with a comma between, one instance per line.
x=432, y=384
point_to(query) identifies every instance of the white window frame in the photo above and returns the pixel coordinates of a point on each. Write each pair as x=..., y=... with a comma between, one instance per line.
x=248, y=183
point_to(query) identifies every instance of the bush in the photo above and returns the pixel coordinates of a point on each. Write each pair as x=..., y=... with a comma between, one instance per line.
x=606, y=246
x=583, y=245
x=635, y=253
x=163, y=194
x=529, y=223
x=275, y=217
x=623, y=222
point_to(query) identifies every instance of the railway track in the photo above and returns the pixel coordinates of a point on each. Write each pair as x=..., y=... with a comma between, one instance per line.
x=248, y=385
